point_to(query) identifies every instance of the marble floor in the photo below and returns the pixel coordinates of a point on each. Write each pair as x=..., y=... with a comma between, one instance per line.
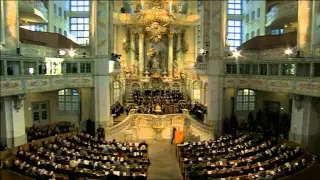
x=164, y=164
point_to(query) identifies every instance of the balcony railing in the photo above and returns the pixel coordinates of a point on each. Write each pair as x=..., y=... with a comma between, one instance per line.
x=36, y=7
x=287, y=12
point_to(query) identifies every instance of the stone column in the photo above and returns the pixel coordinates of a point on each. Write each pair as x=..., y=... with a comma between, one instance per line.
x=100, y=32
x=2, y=27
x=215, y=33
x=170, y=54
x=305, y=122
x=179, y=55
x=132, y=50
x=315, y=24
x=141, y=54
x=11, y=24
x=13, y=121
x=305, y=27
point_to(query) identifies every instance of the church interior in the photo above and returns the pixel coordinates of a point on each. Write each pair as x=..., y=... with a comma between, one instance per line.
x=160, y=89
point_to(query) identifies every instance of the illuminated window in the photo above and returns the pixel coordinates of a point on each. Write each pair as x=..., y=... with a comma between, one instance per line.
x=234, y=7
x=79, y=28
x=38, y=27
x=116, y=91
x=79, y=5
x=69, y=100
x=234, y=34
x=245, y=100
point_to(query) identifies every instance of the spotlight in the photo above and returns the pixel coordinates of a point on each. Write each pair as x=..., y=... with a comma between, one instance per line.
x=236, y=54
x=72, y=53
x=288, y=51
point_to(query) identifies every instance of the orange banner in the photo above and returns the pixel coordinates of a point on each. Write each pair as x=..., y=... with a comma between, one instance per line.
x=178, y=138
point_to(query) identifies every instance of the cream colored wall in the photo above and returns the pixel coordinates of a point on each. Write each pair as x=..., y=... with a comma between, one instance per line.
x=191, y=39
x=54, y=114
x=227, y=103
x=55, y=19
x=261, y=96
x=192, y=7
x=258, y=23
x=120, y=36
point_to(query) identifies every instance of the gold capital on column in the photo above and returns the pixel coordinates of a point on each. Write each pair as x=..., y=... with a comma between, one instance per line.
x=170, y=35
x=141, y=35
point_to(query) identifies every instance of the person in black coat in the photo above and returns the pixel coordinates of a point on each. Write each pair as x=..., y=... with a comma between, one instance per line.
x=173, y=134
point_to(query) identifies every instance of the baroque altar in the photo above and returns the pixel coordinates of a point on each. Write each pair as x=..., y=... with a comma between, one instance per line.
x=157, y=40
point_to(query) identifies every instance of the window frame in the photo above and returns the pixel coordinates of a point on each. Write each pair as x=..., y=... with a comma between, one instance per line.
x=69, y=101
x=40, y=111
x=80, y=28
x=234, y=7
x=245, y=101
x=234, y=33
x=85, y=68
x=79, y=5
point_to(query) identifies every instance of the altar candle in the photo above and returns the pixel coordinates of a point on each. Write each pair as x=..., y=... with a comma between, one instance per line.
x=170, y=6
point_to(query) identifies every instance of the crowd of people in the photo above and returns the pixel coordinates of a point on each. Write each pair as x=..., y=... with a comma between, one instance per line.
x=240, y=157
x=117, y=109
x=257, y=124
x=160, y=97
x=82, y=156
x=199, y=110
x=36, y=132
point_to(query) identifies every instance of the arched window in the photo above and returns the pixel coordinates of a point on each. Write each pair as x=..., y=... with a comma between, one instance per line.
x=247, y=36
x=196, y=91
x=252, y=34
x=116, y=91
x=69, y=100
x=245, y=100
x=258, y=13
x=253, y=15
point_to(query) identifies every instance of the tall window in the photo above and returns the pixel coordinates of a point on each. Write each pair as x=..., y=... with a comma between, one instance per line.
x=234, y=7
x=258, y=32
x=60, y=31
x=65, y=15
x=79, y=28
x=116, y=91
x=253, y=15
x=252, y=34
x=258, y=13
x=40, y=112
x=69, y=100
x=247, y=36
x=245, y=100
x=54, y=8
x=60, y=12
x=79, y=5
x=54, y=29
x=234, y=34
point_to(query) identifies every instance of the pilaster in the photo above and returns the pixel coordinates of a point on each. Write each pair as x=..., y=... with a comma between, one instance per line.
x=305, y=122
x=305, y=21
x=170, y=54
x=215, y=33
x=141, y=54
x=13, y=121
x=132, y=50
x=11, y=24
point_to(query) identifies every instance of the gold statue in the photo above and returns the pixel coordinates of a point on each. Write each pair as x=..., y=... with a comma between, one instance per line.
x=155, y=31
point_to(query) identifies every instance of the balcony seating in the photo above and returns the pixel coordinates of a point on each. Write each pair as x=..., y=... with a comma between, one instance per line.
x=53, y=40
x=271, y=41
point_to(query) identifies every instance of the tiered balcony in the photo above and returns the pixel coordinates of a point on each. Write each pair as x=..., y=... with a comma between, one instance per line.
x=33, y=11
x=282, y=13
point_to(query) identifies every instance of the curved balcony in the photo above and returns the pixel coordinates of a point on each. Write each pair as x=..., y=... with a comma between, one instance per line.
x=281, y=14
x=33, y=11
